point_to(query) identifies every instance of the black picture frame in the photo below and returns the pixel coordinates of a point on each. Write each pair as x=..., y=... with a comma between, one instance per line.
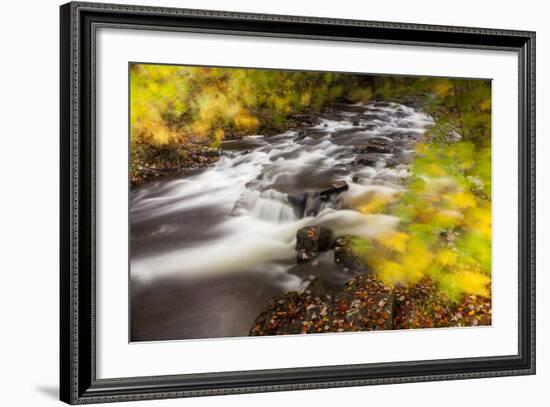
x=78, y=382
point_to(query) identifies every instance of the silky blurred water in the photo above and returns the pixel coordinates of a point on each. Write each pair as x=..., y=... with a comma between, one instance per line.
x=208, y=250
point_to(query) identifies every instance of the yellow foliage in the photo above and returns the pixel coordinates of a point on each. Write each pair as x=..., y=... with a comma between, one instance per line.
x=443, y=87
x=462, y=200
x=436, y=170
x=417, y=259
x=171, y=102
x=485, y=106
x=391, y=272
x=421, y=147
x=446, y=219
x=361, y=94
x=281, y=104
x=410, y=264
x=466, y=165
x=466, y=282
x=305, y=99
x=445, y=229
x=394, y=241
x=372, y=201
x=446, y=257
x=245, y=121
x=479, y=220
x=201, y=128
x=425, y=214
x=375, y=204
x=218, y=136
x=161, y=135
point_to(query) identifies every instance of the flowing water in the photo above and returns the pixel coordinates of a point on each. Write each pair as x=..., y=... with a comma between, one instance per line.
x=210, y=248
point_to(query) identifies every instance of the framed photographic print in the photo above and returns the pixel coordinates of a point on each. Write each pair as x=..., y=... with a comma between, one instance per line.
x=256, y=203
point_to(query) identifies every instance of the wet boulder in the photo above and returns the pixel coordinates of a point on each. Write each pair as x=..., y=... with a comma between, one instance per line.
x=334, y=189
x=312, y=205
x=344, y=256
x=310, y=241
x=313, y=238
x=373, y=146
x=357, y=179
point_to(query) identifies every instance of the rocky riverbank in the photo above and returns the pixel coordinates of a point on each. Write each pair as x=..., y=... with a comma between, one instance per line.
x=363, y=303
x=161, y=162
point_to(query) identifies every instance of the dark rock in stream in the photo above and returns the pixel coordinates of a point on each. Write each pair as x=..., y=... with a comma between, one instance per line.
x=369, y=160
x=373, y=146
x=310, y=241
x=312, y=204
x=301, y=135
x=334, y=189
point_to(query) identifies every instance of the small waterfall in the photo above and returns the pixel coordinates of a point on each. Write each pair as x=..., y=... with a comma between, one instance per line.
x=269, y=205
x=273, y=206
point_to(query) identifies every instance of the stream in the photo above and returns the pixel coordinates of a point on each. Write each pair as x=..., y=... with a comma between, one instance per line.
x=208, y=249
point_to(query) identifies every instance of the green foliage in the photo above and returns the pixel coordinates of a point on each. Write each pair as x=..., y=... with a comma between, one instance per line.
x=169, y=103
x=174, y=109
x=445, y=230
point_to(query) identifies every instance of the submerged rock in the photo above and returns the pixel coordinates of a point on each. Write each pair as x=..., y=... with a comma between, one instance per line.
x=316, y=288
x=334, y=189
x=301, y=135
x=360, y=180
x=344, y=256
x=366, y=159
